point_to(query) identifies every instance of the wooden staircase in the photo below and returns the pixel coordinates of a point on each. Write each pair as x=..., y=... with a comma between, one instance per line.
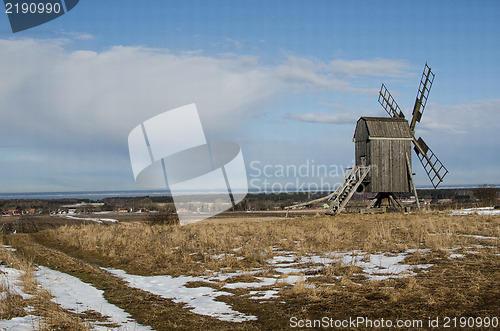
x=338, y=199
x=344, y=193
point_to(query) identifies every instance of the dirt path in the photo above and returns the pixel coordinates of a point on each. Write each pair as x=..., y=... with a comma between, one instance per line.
x=145, y=308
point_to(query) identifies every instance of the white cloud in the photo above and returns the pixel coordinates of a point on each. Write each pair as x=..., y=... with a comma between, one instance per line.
x=339, y=114
x=375, y=67
x=91, y=96
x=316, y=75
x=78, y=35
x=463, y=118
x=321, y=117
x=84, y=95
x=76, y=107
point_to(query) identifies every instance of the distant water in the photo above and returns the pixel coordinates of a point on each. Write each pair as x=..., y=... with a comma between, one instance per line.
x=458, y=187
x=99, y=195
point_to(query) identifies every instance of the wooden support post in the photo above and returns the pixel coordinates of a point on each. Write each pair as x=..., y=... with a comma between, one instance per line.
x=412, y=182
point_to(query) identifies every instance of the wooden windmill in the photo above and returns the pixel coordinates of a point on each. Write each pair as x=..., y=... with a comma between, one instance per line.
x=390, y=156
x=383, y=154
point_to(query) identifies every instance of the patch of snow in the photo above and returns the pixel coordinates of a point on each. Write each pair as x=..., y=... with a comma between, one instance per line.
x=25, y=323
x=263, y=281
x=482, y=246
x=281, y=259
x=220, y=256
x=292, y=279
x=10, y=282
x=469, y=249
x=479, y=211
x=73, y=294
x=420, y=250
x=92, y=219
x=290, y=270
x=479, y=237
x=201, y=299
x=374, y=266
x=264, y=295
x=317, y=259
x=220, y=277
x=8, y=248
x=381, y=266
x=112, y=220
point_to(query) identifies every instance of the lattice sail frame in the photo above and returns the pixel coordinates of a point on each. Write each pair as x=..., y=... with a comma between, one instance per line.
x=434, y=169
x=422, y=95
x=388, y=103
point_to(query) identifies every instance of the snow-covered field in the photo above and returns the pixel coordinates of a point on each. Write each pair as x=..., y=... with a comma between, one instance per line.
x=288, y=268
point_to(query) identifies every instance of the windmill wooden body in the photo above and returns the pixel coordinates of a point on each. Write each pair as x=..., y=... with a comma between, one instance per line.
x=383, y=154
x=383, y=143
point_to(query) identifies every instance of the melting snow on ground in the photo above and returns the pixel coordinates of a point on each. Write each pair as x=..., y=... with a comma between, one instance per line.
x=10, y=283
x=92, y=219
x=9, y=278
x=288, y=269
x=200, y=299
x=8, y=248
x=479, y=211
x=374, y=266
x=382, y=266
x=25, y=323
x=73, y=294
x=479, y=237
x=285, y=268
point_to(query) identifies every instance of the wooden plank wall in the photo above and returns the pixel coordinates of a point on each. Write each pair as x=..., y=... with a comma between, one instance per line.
x=386, y=156
x=388, y=161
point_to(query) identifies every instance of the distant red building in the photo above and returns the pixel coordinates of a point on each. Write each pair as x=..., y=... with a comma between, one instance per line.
x=11, y=212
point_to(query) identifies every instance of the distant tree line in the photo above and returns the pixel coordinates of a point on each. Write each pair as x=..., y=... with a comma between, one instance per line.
x=484, y=195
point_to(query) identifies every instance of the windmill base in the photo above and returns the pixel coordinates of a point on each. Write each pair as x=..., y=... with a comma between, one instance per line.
x=373, y=210
x=385, y=200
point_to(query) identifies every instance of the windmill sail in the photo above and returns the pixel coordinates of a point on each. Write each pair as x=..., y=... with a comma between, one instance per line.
x=389, y=104
x=434, y=169
x=422, y=95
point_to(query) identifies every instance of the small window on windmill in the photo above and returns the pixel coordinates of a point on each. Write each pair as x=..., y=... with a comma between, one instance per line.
x=363, y=160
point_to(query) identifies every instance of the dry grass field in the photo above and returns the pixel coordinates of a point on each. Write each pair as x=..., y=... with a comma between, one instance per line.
x=271, y=272
x=43, y=314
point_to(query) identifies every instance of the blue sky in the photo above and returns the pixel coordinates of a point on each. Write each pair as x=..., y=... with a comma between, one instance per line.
x=287, y=80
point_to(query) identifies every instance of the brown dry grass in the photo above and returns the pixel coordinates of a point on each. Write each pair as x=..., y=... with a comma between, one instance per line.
x=241, y=244
x=453, y=287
